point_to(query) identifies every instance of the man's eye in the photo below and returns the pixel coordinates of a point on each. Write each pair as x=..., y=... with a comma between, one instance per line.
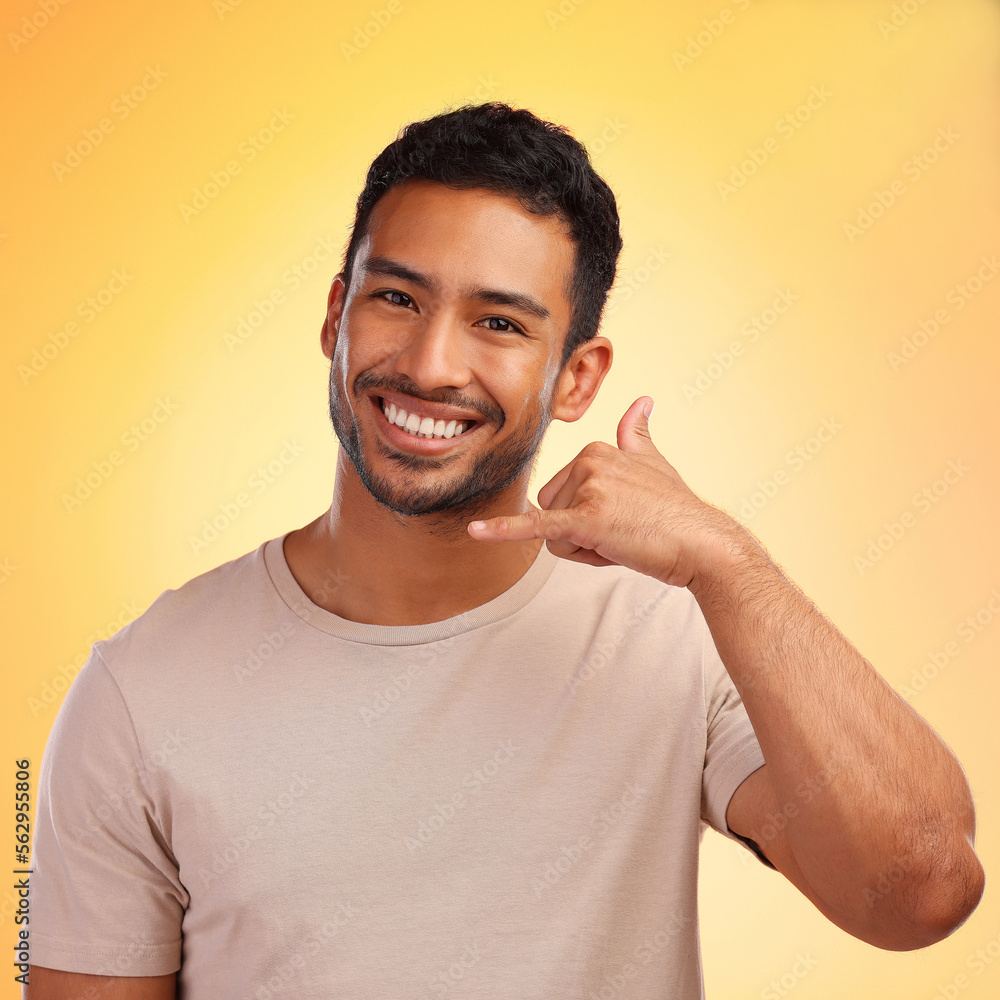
x=508, y=326
x=388, y=297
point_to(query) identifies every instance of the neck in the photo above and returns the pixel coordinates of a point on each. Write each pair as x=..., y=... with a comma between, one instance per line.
x=367, y=563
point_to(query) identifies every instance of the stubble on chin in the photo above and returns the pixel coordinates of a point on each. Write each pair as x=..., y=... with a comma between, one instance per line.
x=445, y=508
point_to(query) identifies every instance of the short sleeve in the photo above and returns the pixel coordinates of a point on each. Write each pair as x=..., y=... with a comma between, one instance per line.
x=105, y=896
x=732, y=753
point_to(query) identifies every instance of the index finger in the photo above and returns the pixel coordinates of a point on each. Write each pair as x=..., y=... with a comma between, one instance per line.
x=548, y=524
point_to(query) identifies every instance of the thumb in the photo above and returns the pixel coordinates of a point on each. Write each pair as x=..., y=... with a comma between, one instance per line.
x=633, y=428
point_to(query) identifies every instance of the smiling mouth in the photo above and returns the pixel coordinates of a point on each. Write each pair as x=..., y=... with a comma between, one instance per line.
x=424, y=427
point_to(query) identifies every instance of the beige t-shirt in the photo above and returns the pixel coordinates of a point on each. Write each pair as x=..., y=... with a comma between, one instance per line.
x=280, y=802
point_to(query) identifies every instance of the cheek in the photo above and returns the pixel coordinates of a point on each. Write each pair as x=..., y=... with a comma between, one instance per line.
x=377, y=344
x=338, y=364
x=522, y=400
x=357, y=350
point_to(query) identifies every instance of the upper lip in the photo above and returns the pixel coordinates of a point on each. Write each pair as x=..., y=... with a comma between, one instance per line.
x=412, y=405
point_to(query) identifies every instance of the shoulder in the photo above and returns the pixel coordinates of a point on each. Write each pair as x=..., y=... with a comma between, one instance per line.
x=195, y=616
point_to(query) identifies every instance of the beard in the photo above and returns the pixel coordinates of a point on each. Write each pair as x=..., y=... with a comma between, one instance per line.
x=447, y=506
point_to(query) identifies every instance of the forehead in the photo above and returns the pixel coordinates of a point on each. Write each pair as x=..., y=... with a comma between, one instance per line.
x=472, y=235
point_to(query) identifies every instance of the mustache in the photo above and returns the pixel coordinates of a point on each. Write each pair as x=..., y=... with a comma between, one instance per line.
x=369, y=380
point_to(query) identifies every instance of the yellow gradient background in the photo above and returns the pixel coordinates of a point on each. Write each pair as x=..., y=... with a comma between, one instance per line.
x=700, y=263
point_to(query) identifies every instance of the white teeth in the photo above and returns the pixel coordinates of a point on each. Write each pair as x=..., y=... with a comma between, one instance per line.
x=422, y=427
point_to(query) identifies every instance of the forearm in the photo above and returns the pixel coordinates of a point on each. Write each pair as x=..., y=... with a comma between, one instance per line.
x=876, y=808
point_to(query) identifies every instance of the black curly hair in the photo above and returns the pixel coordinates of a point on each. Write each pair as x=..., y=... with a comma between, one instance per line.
x=510, y=151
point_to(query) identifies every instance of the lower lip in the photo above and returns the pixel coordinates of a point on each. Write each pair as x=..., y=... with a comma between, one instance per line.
x=409, y=442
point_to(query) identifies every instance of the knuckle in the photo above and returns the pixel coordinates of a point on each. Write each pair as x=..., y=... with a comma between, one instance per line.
x=597, y=449
x=590, y=511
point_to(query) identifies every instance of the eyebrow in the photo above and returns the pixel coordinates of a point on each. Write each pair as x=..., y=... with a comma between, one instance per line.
x=387, y=267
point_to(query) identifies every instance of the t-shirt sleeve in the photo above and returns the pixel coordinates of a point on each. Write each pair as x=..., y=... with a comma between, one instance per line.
x=732, y=753
x=105, y=896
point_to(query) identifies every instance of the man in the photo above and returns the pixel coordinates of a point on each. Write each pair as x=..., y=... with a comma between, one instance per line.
x=443, y=740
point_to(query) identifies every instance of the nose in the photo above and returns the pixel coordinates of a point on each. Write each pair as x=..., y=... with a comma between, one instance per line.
x=434, y=354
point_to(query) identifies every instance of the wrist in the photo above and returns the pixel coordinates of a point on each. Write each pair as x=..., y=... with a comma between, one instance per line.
x=731, y=556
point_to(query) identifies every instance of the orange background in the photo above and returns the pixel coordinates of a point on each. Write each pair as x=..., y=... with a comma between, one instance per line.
x=159, y=390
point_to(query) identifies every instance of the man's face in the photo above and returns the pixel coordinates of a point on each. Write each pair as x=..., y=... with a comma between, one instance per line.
x=457, y=312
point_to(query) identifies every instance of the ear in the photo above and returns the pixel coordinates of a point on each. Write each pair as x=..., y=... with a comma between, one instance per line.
x=579, y=381
x=334, y=310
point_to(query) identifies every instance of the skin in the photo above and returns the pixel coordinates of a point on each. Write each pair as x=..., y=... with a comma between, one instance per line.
x=395, y=532
x=48, y=984
x=860, y=804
